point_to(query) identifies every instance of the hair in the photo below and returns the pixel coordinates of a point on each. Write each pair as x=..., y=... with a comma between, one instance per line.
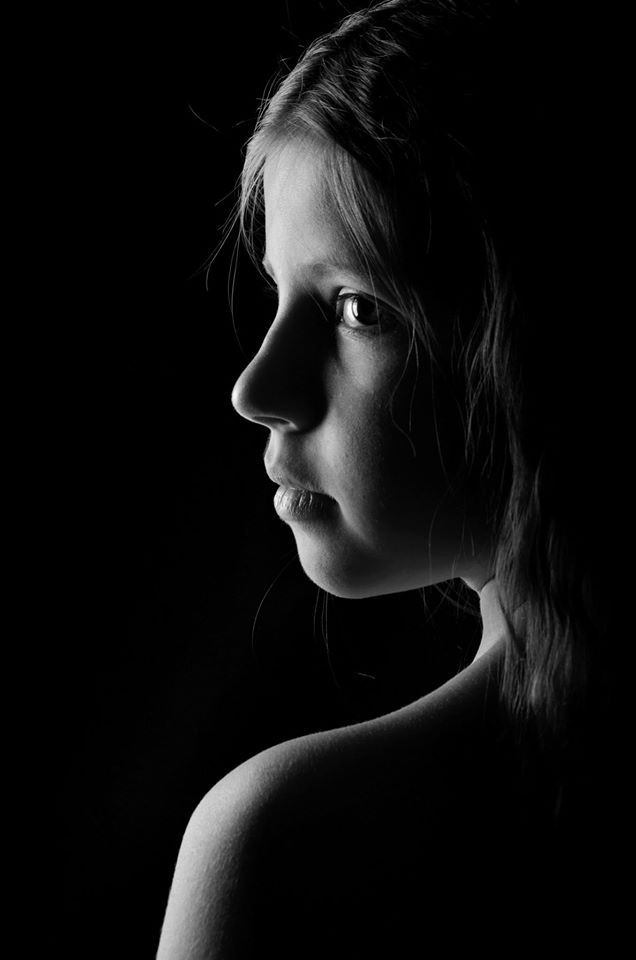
x=452, y=151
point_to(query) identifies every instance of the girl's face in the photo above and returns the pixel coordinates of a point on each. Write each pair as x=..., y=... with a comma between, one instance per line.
x=335, y=387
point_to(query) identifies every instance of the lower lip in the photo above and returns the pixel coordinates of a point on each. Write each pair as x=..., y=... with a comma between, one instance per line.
x=300, y=505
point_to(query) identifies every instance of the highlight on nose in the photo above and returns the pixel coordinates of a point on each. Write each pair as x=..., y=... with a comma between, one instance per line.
x=282, y=391
x=246, y=399
x=238, y=397
x=242, y=402
x=273, y=396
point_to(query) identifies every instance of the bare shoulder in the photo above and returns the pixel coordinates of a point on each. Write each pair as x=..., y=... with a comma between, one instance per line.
x=273, y=845
x=298, y=785
x=363, y=760
x=323, y=773
x=322, y=823
x=240, y=851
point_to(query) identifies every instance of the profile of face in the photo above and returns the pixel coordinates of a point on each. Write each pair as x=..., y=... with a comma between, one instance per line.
x=349, y=418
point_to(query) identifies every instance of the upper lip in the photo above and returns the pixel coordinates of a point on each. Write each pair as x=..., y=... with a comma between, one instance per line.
x=287, y=479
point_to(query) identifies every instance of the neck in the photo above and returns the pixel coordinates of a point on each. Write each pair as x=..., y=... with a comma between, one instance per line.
x=494, y=626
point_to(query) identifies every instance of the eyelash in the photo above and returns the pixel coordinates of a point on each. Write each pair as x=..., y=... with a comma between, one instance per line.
x=337, y=305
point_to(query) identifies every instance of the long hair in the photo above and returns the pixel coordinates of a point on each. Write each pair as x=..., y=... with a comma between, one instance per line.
x=448, y=134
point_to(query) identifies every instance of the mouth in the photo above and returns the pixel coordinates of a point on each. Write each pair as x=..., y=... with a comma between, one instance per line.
x=290, y=482
x=297, y=499
x=300, y=505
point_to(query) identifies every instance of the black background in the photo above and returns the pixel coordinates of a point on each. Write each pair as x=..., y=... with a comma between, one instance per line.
x=161, y=540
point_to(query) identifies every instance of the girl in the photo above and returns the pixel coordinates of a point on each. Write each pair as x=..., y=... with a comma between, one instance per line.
x=419, y=191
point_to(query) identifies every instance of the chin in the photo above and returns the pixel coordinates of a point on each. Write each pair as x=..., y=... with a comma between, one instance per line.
x=354, y=577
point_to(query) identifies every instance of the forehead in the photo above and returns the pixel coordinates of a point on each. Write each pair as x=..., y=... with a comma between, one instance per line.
x=301, y=216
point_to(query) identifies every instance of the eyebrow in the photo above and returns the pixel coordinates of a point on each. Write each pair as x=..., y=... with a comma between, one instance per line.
x=319, y=268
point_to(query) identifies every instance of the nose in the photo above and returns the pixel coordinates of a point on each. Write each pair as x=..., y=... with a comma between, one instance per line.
x=281, y=386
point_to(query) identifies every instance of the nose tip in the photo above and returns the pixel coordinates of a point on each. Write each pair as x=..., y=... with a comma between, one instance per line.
x=244, y=398
x=238, y=397
x=283, y=385
x=252, y=398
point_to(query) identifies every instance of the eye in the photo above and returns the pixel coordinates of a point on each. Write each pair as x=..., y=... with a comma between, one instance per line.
x=357, y=312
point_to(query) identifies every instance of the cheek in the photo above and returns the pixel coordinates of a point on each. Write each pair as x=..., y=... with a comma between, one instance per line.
x=428, y=410
x=362, y=441
x=398, y=438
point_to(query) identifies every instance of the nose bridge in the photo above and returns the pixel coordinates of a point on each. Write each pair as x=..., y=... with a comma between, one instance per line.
x=281, y=385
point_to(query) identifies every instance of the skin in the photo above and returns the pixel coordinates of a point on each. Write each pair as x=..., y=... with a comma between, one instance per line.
x=322, y=388
x=230, y=863
x=322, y=385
